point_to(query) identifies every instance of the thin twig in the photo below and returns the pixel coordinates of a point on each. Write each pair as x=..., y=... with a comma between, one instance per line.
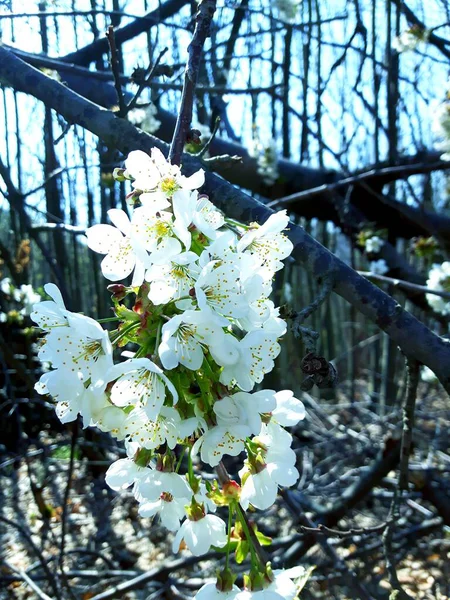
x=50, y=577
x=323, y=530
x=408, y=421
x=204, y=17
x=115, y=68
x=204, y=150
x=405, y=284
x=73, y=445
x=398, y=592
x=33, y=585
x=146, y=78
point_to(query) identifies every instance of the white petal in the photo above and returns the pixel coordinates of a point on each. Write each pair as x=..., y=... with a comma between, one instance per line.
x=168, y=356
x=178, y=538
x=53, y=291
x=122, y=473
x=289, y=410
x=195, y=181
x=102, y=238
x=149, y=509
x=120, y=261
x=120, y=219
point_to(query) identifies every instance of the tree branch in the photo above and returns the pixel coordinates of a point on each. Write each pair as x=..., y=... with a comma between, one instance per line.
x=203, y=22
x=414, y=338
x=94, y=51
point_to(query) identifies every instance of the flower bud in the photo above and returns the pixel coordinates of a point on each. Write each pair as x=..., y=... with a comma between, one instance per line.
x=231, y=490
x=119, y=174
x=225, y=580
x=118, y=291
x=195, y=511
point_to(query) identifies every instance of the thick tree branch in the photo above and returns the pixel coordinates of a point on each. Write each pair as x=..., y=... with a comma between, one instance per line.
x=94, y=51
x=323, y=189
x=413, y=337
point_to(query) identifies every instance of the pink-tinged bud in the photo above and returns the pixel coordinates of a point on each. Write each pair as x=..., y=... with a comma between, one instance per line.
x=231, y=490
x=138, y=306
x=118, y=290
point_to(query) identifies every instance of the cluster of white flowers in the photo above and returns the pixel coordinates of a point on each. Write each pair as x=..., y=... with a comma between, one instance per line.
x=378, y=267
x=409, y=40
x=205, y=333
x=439, y=280
x=373, y=244
x=441, y=125
x=266, y=156
x=24, y=296
x=145, y=118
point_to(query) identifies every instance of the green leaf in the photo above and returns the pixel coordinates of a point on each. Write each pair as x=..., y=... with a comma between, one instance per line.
x=241, y=551
x=264, y=540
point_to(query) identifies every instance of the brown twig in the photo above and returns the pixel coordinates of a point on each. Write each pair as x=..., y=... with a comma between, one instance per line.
x=394, y=513
x=146, y=78
x=50, y=577
x=73, y=445
x=204, y=150
x=204, y=17
x=32, y=584
x=115, y=68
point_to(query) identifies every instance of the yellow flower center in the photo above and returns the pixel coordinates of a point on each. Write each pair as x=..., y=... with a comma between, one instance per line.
x=169, y=186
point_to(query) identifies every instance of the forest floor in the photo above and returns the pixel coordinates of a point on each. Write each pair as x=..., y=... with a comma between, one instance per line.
x=107, y=543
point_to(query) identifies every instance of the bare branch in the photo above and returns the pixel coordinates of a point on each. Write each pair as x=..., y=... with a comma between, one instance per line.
x=206, y=10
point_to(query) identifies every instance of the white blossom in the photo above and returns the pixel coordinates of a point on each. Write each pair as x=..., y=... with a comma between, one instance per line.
x=256, y=354
x=260, y=488
x=374, y=244
x=379, y=267
x=287, y=9
x=50, y=313
x=159, y=179
x=124, y=253
x=265, y=153
x=168, y=427
x=124, y=472
x=156, y=234
x=268, y=241
x=185, y=338
x=141, y=383
x=441, y=126
x=409, y=40
x=173, y=280
x=170, y=510
x=145, y=118
x=281, y=588
x=201, y=535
